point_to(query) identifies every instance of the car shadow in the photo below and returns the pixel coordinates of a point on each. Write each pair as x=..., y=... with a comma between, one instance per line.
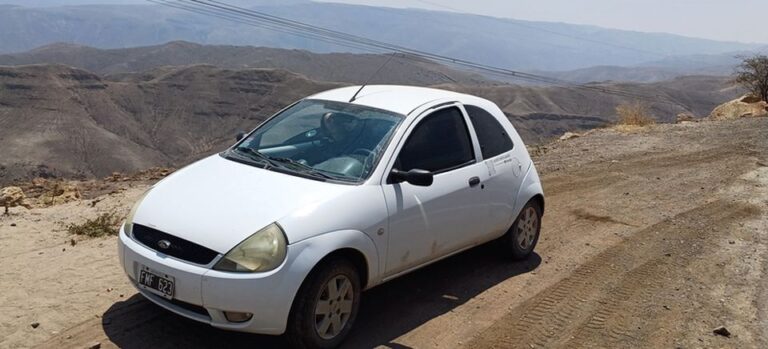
x=386, y=312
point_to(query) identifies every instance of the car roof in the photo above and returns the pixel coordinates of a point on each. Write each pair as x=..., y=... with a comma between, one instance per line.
x=399, y=99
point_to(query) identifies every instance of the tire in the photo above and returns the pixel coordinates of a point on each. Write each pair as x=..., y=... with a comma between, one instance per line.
x=306, y=329
x=522, y=237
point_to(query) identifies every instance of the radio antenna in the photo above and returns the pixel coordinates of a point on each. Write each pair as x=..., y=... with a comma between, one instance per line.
x=371, y=77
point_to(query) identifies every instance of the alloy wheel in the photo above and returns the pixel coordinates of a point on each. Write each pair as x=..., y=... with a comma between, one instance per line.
x=334, y=307
x=527, y=228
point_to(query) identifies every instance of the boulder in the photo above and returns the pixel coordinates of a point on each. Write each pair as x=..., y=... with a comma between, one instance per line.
x=62, y=193
x=746, y=106
x=39, y=182
x=12, y=197
x=685, y=117
x=569, y=135
x=65, y=192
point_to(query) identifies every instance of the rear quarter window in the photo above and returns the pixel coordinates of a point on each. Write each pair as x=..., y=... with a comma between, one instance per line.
x=491, y=135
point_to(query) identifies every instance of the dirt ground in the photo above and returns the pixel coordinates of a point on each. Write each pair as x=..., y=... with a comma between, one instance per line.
x=650, y=239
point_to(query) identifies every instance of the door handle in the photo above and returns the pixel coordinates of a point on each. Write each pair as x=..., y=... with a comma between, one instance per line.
x=474, y=181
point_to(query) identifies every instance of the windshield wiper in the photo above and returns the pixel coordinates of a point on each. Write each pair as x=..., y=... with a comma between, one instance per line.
x=282, y=162
x=304, y=167
x=255, y=155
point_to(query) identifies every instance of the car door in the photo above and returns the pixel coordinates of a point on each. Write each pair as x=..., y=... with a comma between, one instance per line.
x=503, y=164
x=430, y=222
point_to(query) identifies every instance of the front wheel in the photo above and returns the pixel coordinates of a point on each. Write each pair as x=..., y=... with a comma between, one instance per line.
x=522, y=237
x=326, y=306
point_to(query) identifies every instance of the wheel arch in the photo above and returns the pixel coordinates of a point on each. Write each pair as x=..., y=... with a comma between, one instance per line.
x=539, y=199
x=354, y=256
x=352, y=245
x=530, y=189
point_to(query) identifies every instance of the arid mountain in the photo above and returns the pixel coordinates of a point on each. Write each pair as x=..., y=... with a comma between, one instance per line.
x=540, y=113
x=342, y=67
x=660, y=70
x=508, y=43
x=57, y=120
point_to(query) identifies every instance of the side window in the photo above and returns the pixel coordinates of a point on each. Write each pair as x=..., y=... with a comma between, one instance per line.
x=492, y=137
x=440, y=142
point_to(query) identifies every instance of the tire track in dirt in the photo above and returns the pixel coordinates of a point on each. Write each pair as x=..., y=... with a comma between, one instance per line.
x=596, y=306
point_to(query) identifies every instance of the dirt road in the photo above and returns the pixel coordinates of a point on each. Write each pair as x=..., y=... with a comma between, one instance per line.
x=650, y=239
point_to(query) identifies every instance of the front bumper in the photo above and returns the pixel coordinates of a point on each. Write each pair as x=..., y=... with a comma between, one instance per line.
x=203, y=294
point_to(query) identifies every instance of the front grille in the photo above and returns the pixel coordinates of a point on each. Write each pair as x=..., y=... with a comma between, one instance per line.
x=179, y=248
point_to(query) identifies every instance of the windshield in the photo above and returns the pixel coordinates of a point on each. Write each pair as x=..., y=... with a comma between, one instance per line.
x=323, y=139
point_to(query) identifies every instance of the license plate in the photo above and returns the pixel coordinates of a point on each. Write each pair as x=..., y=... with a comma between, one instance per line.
x=156, y=282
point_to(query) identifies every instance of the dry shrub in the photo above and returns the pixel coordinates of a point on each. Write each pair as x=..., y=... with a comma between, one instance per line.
x=634, y=114
x=106, y=224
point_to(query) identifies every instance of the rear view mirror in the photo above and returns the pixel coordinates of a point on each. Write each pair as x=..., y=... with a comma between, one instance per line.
x=422, y=178
x=240, y=136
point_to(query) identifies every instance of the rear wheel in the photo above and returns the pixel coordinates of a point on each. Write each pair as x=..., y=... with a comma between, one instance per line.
x=326, y=306
x=522, y=237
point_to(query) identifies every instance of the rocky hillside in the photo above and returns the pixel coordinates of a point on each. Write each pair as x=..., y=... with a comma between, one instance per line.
x=57, y=120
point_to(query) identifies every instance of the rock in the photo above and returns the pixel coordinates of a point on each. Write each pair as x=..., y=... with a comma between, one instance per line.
x=13, y=197
x=685, y=116
x=569, y=135
x=39, y=182
x=61, y=193
x=722, y=331
x=114, y=177
x=35, y=324
x=751, y=99
x=95, y=345
x=732, y=242
x=739, y=108
x=13, y=224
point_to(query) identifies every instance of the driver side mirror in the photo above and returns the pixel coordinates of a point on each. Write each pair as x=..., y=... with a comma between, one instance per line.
x=240, y=135
x=422, y=178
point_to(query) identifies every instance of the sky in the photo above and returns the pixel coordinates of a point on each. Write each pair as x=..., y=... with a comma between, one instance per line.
x=728, y=20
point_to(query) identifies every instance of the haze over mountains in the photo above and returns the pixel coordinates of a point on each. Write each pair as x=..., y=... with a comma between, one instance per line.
x=508, y=43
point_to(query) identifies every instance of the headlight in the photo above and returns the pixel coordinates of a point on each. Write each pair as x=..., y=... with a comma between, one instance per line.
x=263, y=251
x=128, y=225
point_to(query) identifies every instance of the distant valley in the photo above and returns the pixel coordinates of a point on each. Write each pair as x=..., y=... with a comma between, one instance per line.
x=140, y=111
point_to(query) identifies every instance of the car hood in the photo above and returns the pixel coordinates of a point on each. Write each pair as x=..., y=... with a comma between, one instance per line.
x=218, y=203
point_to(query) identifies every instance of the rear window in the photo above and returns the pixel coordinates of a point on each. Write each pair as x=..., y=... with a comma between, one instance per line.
x=493, y=138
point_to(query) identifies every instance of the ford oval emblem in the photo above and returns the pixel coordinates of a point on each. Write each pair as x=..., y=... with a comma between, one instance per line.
x=164, y=244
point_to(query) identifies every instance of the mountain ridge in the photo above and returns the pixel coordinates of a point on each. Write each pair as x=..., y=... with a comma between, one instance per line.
x=508, y=43
x=341, y=67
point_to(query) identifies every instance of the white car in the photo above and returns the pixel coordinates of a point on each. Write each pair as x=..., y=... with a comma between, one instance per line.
x=331, y=196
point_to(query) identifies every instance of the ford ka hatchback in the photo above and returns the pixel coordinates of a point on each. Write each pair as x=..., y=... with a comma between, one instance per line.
x=281, y=233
